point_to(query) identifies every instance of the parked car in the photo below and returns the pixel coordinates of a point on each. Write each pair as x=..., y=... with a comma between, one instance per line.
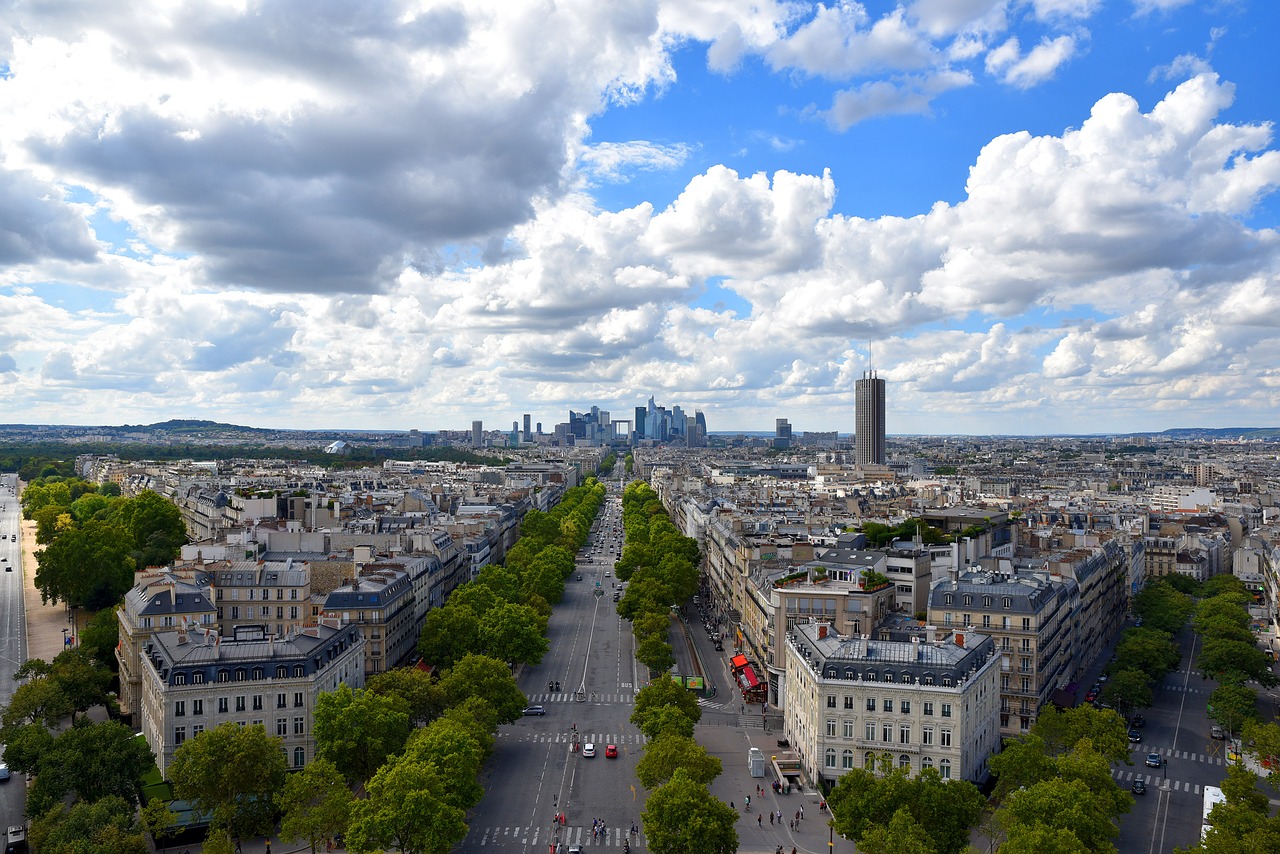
x=1154, y=760
x=534, y=710
x=1217, y=732
x=1138, y=787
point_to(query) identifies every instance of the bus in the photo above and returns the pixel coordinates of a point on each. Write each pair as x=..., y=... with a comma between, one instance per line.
x=1212, y=797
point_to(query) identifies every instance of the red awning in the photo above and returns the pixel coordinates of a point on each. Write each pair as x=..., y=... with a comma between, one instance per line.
x=738, y=662
x=747, y=678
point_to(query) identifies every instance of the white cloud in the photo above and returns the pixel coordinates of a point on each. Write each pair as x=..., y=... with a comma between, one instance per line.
x=613, y=161
x=837, y=43
x=912, y=95
x=1039, y=64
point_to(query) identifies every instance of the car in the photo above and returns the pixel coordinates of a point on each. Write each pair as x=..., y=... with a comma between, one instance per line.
x=607, y=573
x=575, y=849
x=1138, y=721
x=1091, y=696
x=1154, y=760
x=579, y=576
x=719, y=646
x=588, y=750
x=5, y=774
x=1135, y=736
x=611, y=751
x=16, y=839
x=534, y=710
x=1138, y=787
x=1217, y=732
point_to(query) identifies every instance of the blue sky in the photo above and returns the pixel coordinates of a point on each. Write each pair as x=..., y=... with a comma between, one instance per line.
x=1040, y=215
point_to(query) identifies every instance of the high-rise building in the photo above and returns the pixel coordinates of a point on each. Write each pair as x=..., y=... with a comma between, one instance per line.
x=781, y=433
x=477, y=434
x=528, y=434
x=869, y=419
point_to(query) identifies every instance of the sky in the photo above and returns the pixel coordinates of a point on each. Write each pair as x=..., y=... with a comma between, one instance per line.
x=1027, y=216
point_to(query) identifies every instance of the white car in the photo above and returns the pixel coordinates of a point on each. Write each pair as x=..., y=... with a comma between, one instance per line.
x=589, y=750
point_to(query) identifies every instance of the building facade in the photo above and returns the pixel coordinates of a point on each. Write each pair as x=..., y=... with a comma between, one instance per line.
x=869, y=420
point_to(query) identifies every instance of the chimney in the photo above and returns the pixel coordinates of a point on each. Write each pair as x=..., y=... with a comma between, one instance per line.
x=931, y=634
x=822, y=630
x=960, y=639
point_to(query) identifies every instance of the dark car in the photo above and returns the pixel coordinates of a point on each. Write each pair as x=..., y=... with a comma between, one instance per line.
x=1135, y=736
x=1138, y=787
x=534, y=710
x=1138, y=721
x=1154, y=760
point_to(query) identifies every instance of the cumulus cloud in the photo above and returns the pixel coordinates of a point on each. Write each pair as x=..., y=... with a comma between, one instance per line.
x=1026, y=70
x=886, y=98
x=615, y=161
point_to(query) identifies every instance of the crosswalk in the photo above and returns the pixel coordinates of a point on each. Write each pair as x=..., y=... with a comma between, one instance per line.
x=1188, y=755
x=623, y=697
x=597, y=738
x=570, y=835
x=1123, y=776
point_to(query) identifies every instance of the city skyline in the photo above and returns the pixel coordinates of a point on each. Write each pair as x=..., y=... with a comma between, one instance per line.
x=1048, y=217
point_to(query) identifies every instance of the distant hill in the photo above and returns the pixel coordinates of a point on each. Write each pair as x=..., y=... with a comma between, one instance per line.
x=190, y=425
x=1239, y=433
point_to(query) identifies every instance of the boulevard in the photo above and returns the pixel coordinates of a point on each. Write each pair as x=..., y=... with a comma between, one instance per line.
x=13, y=634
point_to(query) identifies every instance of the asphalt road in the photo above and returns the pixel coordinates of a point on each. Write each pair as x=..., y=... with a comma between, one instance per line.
x=13, y=634
x=538, y=771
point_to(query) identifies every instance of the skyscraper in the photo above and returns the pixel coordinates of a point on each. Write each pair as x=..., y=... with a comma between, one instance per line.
x=528, y=432
x=868, y=402
x=477, y=434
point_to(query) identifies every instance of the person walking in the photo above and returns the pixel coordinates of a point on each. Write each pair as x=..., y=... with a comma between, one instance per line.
x=771, y=819
x=760, y=820
x=802, y=810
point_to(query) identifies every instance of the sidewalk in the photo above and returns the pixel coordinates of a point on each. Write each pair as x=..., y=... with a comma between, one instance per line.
x=755, y=834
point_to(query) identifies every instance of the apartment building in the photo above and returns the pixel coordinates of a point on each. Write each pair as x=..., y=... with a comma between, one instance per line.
x=1030, y=618
x=159, y=602
x=196, y=679
x=273, y=594
x=379, y=601
x=924, y=698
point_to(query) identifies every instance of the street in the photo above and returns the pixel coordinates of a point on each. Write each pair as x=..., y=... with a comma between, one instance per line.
x=13, y=634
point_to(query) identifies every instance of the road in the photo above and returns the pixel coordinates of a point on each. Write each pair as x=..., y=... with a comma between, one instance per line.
x=13, y=634
x=537, y=771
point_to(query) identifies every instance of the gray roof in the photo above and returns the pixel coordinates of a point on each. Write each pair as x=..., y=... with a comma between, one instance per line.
x=1028, y=593
x=167, y=597
x=201, y=649
x=871, y=659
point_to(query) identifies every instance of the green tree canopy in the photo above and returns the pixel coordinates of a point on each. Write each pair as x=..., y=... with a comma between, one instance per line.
x=104, y=825
x=682, y=817
x=1127, y=690
x=88, y=566
x=486, y=678
x=1060, y=805
x=449, y=633
x=91, y=761
x=232, y=773
x=1233, y=706
x=1233, y=661
x=514, y=633
x=453, y=749
x=663, y=755
x=902, y=835
x=662, y=693
x=315, y=803
x=407, y=809
x=357, y=730
x=416, y=687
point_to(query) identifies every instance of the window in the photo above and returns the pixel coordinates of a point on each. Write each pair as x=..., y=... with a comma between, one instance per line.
x=946, y=710
x=179, y=735
x=299, y=757
x=944, y=769
x=948, y=599
x=848, y=701
x=831, y=728
x=257, y=673
x=282, y=726
x=846, y=760
x=928, y=707
x=266, y=610
x=299, y=726
x=282, y=672
x=944, y=737
x=1004, y=624
x=198, y=677
x=196, y=729
x=224, y=675
x=197, y=708
x=986, y=621
x=297, y=701
x=257, y=702
x=281, y=701
x=222, y=705
x=1026, y=684
x=1026, y=624
x=179, y=679
x=906, y=707
x=299, y=671
x=871, y=704
x=926, y=762
x=968, y=599
x=1004, y=683
x=180, y=708
x=279, y=612
x=926, y=735
x=986, y=601
x=1026, y=644
x=869, y=761
x=888, y=705
x=869, y=732
x=904, y=733
x=293, y=594
x=235, y=612
x=831, y=701
x=948, y=618
x=830, y=757
x=886, y=730
x=1007, y=603
x=904, y=762
x=966, y=619
x=240, y=703
x=848, y=729
x=293, y=612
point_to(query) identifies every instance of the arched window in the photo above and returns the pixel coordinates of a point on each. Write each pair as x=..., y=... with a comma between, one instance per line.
x=282, y=672
x=848, y=673
x=241, y=674
x=944, y=768
x=846, y=760
x=829, y=673
x=949, y=599
x=986, y=601
x=299, y=757
x=869, y=760
x=257, y=673
x=888, y=676
x=299, y=671
x=830, y=757
x=870, y=676
x=926, y=762
x=968, y=600
x=928, y=679
x=198, y=677
x=179, y=679
x=224, y=675
x=946, y=681
x=1008, y=602
x=904, y=762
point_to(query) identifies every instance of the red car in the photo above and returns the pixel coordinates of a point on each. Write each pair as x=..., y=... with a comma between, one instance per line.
x=611, y=751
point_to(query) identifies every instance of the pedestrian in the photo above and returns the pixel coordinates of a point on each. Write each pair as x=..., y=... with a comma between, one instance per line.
x=760, y=820
x=771, y=819
x=802, y=810
x=732, y=807
x=238, y=850
x=791, y=823
x=268, y=846
x=797, y=815
x=779, y=817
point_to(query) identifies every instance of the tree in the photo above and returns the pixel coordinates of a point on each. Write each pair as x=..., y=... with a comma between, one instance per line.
x=100, y=637
x=682, y=817
x=488, y=679
x=1060, y=804
x=91, y=761
x=82, y=681
x=449, y=633
x=663, y=755
x=88, y=566
x=1261, y=740
x=1063, y=729
x=666, y=720
x=158, y=820
x=902, y=835
x=452, y=748
x=514, y=633
x=358, y=730
x=656, y=654
x=416, y=687
x=1127, y=690
x=661, y=693
x=1233, y=706
x=316, y=804
x=406, y=808
x=105, y=825
x=1233, y=661
x=946, y=809
x=1149, y=650
x=232, y=773
x=1163, y=607
x=1041, y=839
x=154, y=525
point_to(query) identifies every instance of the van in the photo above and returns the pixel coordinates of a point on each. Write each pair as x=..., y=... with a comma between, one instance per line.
x=15, y=840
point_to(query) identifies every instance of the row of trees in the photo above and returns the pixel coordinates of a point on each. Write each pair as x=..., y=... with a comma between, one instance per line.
x=94, y=539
